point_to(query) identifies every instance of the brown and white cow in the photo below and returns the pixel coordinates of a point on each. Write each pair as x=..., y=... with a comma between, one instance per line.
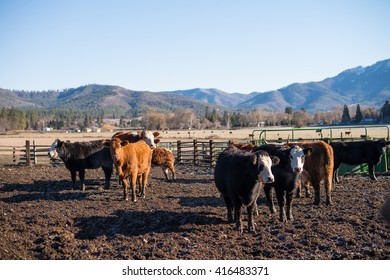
x=164, y=158
x=319, y=167
x=133, y=161
x=148, y=136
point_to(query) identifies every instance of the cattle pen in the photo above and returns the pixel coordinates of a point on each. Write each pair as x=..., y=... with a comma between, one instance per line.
x=203, y=151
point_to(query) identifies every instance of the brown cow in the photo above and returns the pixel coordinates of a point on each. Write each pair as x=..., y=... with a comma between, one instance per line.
x=131, y=160
x=132, y=137
x=319, y=167
x=164, y=158
x=243, y=146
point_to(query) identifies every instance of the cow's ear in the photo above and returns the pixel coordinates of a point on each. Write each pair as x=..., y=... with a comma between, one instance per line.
x=156, y=141
x=275, y=161
x=308, y=151
x=59, y=143
x=124, y=143
x=155, y=134
x=254, y=159
x=106, y=143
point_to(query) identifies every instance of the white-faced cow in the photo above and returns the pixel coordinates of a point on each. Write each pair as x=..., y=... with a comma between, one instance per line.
x=131, y=160
x=79, y=156
x=319, y=168
x=358, y=152
x=239, y=177
x=286, y=174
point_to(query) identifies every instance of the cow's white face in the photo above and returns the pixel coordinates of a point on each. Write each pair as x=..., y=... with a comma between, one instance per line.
x=297, y=159
x=53, y=150
x=264, y=163
x=148, y=137
x=265, y=175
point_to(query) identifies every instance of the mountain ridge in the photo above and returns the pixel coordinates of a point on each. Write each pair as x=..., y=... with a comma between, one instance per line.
x=369, y=86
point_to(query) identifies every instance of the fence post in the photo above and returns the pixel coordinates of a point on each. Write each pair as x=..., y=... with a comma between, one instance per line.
x=28, y=162
x=195, y=152
x=35, y=153
x=14, y=155
x=179, y=151
x=212, y=153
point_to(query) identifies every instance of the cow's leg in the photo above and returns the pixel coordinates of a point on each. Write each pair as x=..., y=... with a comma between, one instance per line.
x=336, y=176
x=289, y=198
x=139, y=184
x=251, y=224
x=172, y=168
x=82, y=178
x=73, y=177
x=107, y=176
x=299, y=187
x=229, y=207
x=125, y=185
x=133, y=184
x=328, y=188
x=307, y=188
x=165, y=171
x=255, y=206
x=270, y=198
x=317, y=197
x=144, y=182
x=237, y=215
x=281, y=201
x=371, y=171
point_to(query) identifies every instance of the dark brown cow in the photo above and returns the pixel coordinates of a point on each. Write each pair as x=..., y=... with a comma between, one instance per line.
x=133, y=161
x=164, y=158
x=319, y=167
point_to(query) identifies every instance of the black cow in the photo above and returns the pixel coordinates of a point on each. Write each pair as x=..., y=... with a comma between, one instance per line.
x=239, y=176
x=358, y=152
x=286, y=174
x=79, y=156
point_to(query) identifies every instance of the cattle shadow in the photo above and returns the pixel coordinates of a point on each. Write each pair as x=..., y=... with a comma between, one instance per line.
x=45, y=190
x=48, y=186
x=194, y=181
x=136, y=223
x=200, y=201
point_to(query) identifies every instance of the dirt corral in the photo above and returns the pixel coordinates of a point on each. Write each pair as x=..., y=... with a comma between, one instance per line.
x=42, y=218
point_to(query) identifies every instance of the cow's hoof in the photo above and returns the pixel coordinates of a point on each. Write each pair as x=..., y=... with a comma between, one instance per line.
x=317, y=202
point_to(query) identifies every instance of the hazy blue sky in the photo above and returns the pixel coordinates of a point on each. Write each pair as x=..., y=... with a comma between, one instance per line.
x=236, y=46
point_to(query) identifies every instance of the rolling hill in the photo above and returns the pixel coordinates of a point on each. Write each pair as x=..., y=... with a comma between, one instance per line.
x=369, y=86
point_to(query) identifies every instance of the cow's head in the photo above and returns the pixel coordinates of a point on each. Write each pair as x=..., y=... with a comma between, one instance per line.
x=380, y=149
x=297, y=158
x=264, y=162
x=53, y=153
x=148, y=137
x=115, y=145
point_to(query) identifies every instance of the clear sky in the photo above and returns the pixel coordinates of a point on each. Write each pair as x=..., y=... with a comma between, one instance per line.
x=233, y=45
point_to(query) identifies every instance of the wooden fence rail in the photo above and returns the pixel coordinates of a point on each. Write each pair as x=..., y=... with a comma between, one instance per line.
x=197, y=152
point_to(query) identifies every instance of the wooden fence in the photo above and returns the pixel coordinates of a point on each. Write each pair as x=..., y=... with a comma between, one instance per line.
x=30, y=153
x=194, y=152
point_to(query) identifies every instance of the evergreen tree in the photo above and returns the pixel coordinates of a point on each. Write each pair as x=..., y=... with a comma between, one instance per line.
x=385, y=112
x=358, y=115
x=288, y=110
x=346, y=118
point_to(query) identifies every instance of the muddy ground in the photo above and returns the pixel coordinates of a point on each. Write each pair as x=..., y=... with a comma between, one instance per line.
x=42, y=218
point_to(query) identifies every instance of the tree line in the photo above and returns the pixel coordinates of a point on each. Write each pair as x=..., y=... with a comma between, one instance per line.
x=37, y=119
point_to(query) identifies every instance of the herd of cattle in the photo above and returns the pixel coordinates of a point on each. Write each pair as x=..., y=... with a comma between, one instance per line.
x=241, y=170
